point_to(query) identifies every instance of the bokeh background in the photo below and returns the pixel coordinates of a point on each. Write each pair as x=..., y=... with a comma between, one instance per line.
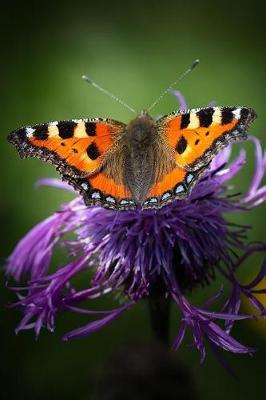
x=134, y=49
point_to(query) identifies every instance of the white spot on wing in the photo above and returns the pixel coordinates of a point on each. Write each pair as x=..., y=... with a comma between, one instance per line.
x=193, y=121
x=237, y=113
x=95, y=195
x=80, y=131
x=189, y=178
x=166, y=196
x=85, y=186
x=179, y=189
x=29, y=132
x=216, y=116
x=110, y=199
x=53, y=129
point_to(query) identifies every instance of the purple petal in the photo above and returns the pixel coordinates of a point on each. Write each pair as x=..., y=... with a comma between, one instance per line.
x=196, y=326
x=56, y=183
x=251, y=249
x=180, y=336
x=221, y=158
x=95, y=325
x=224, y=316
x=255, y=302
x=233, y=168
x=256, y=195
x=90, y=312
x=222, y=339
x=232, y=306
x=33, y=253
x=260, y=167
x=41, y=304
x=214, y=298
x=181, y=99
x=261, y=275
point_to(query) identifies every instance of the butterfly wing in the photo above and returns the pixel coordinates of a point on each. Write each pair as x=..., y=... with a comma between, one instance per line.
x=79, y=149
x=175, y=185
x=194, y=138
x=75, y=147
x=102, y=190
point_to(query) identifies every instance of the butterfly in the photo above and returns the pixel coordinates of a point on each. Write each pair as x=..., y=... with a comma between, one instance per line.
x=147, y=163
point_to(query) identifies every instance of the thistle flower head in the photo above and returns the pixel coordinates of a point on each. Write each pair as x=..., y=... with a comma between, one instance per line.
x=142, y=253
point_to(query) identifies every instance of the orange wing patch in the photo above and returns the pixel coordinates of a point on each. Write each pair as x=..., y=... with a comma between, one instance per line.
x=76, y=147
x=197, y=136
x=177, y=184
x=168, y=182
x=103, y=191
x=108, y=186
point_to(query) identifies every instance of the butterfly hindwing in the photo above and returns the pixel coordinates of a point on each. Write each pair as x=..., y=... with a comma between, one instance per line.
x=76, y=147
x=101, y=190
x=176, y=185
x=197, y=135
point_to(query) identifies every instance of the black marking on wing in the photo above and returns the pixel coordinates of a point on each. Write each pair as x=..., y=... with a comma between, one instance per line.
x=19, y=133
x=219, y=144
x=92, y=151
x=181, y=145
x=205, y=117
x=244, y=115
x=41, y=132
x=185, y=119
x=237, y=133
x=26, y=149
x=90, y=128
x=66, y=129
x=227, y=115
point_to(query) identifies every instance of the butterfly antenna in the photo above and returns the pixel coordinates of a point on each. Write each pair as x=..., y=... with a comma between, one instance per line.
x=94, y=84
x=195, y=63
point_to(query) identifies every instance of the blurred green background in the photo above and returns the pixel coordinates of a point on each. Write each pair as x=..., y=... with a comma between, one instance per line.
x=134, y=49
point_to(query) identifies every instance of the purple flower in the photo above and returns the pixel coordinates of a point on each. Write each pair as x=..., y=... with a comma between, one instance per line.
x=136, y=254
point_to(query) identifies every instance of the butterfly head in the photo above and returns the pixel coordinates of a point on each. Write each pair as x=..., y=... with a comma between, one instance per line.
x=141, y=129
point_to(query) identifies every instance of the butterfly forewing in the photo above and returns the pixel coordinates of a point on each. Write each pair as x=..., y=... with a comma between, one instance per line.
x=76, y=147
x=198, y=134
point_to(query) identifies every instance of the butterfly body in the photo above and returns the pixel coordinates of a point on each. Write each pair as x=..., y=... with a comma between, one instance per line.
x=147, y=163
x=141, y=151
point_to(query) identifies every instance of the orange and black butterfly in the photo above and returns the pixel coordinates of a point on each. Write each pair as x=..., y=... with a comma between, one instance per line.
x=147, y=163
